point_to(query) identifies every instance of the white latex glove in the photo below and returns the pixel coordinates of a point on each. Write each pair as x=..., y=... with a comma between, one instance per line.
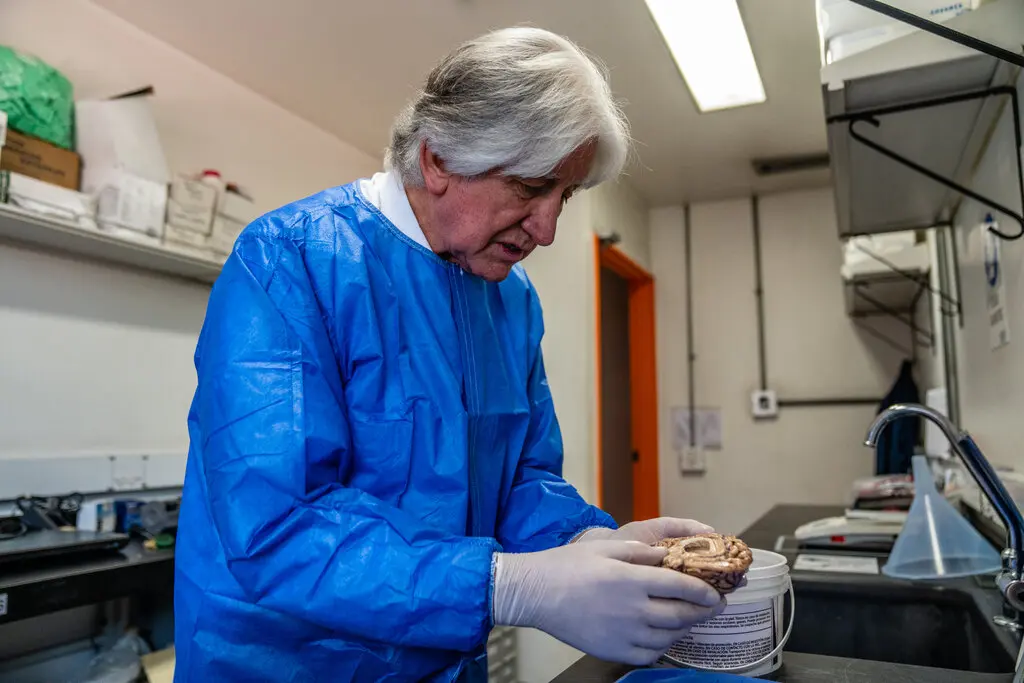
x=648, y=531
x=606, y=598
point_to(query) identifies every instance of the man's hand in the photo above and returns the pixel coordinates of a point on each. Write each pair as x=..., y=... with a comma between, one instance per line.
x=607, y=598
x=649, y=531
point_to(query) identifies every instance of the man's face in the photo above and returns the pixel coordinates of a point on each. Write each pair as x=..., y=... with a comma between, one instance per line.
x=490, y=223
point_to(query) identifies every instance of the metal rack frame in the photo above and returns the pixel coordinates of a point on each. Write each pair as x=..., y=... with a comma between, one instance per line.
x=946, y=240
x=920, y=337
x=873, y=116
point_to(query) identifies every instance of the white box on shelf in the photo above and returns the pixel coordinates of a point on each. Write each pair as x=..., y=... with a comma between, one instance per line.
x=196, y=219
x=192, y=193
x=174, y=233
x=47, y=199
x=123, y=163
x=237, y=207
x=127, y=201
x=120, y=134
x=201, y=252
x=225, y=232
x=191, y=204
x=130, y=234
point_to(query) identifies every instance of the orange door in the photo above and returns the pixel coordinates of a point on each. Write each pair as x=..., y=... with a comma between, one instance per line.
x=642, y=383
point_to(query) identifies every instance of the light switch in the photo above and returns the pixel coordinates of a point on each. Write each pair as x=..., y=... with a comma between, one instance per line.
x=692, y=460
x=764, y=404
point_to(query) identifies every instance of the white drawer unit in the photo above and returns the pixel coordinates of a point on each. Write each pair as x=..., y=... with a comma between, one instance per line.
x=501, y=656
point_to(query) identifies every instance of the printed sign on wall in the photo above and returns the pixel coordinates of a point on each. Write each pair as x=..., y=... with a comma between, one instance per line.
x=995, y=290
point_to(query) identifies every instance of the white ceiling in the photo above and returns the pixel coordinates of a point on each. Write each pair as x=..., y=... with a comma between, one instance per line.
x=348, y=66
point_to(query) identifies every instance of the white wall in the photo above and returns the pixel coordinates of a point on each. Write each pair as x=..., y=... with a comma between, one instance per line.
x=807, y=455
x=992, y=382
x=564, y=275
x=930, y=307
x=618, y=209
x=100, y=359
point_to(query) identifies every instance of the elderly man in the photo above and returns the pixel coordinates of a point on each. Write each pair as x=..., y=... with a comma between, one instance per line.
x=374, y=473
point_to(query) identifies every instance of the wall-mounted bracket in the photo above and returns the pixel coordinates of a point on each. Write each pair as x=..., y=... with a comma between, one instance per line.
x=918, y=278
x=873, y=116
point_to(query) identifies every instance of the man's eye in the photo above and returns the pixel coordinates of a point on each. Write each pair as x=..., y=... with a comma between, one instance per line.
x=532, y=190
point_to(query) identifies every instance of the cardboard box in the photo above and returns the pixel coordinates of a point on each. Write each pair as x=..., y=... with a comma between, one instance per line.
x=159, y=666
x=124, y=163
x=39, y=159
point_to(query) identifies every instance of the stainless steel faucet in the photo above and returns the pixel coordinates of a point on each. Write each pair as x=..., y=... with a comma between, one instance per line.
x=1010, y=580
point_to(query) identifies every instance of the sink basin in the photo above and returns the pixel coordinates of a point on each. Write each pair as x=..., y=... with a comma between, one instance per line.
x=922, y=625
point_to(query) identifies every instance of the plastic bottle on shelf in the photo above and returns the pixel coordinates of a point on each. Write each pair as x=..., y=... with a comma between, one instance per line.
x=214, y=179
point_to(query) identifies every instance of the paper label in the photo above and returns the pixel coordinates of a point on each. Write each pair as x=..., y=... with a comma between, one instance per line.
x=739, y=636
x=706, y=429
x=836, y=563
x=995, y=294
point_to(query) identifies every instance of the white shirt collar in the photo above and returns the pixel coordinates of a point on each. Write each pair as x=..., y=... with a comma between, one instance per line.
x=384, y=190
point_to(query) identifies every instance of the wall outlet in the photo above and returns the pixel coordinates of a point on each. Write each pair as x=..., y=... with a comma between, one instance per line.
x=692, y=460
x=764, y=404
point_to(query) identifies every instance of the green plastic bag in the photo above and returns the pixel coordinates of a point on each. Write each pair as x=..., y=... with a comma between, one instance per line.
x=38, y=99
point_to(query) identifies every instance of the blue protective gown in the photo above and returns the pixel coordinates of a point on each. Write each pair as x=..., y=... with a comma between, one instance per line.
x=371, y=425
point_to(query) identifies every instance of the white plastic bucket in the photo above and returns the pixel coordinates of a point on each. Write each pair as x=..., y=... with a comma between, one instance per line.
x=747, y=637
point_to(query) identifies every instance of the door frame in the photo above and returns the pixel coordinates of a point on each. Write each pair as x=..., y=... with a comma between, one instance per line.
x=643, y=376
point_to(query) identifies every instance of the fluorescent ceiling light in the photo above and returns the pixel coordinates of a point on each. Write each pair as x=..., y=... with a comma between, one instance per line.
x=710, y=46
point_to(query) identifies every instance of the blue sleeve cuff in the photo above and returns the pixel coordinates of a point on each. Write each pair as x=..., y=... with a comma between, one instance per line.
x=490, y=591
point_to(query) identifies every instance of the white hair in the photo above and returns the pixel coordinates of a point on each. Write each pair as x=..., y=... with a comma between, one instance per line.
x=517, y=100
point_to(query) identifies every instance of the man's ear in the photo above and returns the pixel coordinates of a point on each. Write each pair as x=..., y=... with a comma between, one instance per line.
x=435, y=176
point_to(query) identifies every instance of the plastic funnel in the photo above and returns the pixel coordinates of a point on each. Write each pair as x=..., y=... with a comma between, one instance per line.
x=936, y=542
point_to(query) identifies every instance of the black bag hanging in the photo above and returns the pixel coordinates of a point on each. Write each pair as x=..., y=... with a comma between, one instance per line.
x=899, y=441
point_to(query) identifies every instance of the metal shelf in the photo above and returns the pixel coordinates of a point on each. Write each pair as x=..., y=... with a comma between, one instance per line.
x=939, y=115
x=19, y=226
x=885, y=293
x=893, y=286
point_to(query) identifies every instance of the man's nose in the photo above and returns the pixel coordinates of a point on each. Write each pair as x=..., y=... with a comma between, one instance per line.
x=540, y=224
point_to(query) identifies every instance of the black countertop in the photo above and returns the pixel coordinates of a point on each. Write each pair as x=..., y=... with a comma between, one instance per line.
x=82, y=579
x=802, y=668
x=806, y=668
